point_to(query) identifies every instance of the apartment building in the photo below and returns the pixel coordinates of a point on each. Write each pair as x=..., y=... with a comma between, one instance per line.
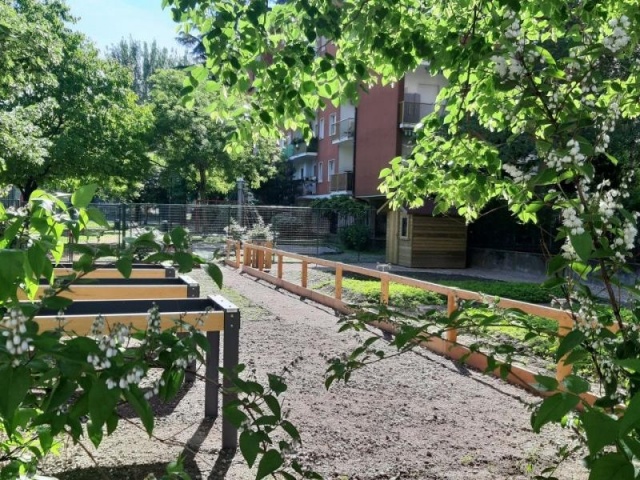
x=352, y=144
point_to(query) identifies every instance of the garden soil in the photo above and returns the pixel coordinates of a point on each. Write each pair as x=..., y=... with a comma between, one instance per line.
x=413, y=416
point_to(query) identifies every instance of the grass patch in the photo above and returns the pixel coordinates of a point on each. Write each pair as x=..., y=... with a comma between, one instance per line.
x=400, y=295
x=521, y=291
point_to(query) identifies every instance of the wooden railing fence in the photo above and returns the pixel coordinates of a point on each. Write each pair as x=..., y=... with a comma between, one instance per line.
x=447, y=346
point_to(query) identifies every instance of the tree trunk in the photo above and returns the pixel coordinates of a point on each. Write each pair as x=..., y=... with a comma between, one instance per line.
x=202, y=184
x=28, y=188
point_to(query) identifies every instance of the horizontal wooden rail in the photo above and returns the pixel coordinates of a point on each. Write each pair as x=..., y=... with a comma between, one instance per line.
x=125, y=289
x=445, y=346
x=147, y=271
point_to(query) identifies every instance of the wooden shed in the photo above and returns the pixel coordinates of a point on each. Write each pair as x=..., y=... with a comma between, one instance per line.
x=416, y=238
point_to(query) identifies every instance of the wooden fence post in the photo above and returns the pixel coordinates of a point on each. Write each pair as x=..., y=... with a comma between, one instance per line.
x=452, y=334
x=384, y=290
x=280, y=260
x=338, y=293
x=303, y=280
x=237, y=254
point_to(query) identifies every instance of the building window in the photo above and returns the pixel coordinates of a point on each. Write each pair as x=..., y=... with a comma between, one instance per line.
x=330, y=168
x=332, y=124
x=404, y=226
x=320, y=172
x=321, y=129
x=315, y=170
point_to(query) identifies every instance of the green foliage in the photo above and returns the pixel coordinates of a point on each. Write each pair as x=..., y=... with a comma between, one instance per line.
x=342, y=205
x=287, y=225
x=554, y=79
x=522, y=291
x=142, y=60
x=73, y=117
x=355, y=237
x=260, y=231
x=399, y=295
x=53, y=380
x=198, y=148
x=267, y=439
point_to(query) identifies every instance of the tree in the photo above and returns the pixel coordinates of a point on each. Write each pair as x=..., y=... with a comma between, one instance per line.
x=558, y=75
x=74, y=118
x=143, y=60
x=194, y=146
x=29, y=42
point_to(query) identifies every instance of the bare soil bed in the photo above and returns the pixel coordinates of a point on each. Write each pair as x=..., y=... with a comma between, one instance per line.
x=415, y=416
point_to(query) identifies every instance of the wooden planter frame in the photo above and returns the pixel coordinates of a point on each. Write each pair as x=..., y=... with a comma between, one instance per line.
x=215, y=312
x=108, y=270
x=127, y=288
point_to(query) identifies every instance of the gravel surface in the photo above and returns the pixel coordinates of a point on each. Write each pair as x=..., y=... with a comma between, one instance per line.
x=414, y=416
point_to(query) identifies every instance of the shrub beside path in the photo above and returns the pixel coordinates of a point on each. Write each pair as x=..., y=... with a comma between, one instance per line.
x=414, y=416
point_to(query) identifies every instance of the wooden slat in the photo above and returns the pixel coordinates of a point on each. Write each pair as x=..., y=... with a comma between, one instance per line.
x=114, y=273
x=124, y=292
x=81, y=324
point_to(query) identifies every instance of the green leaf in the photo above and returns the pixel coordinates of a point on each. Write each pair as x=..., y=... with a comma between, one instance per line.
x=179, y=237
x=274, y=405
x=102, y=402
x=82, y=197
x=575, y=384
x=276, y=384
x=549, y=384
x=269, y=463
x=95, y=433
x=583, y=245
x=612, y=466
x=601, y=430
x=232, y=413
x=570, y=341
x=14, y=385
x=136, y=399
x=215, y=273
x=631, y=416
x=124, y=266
x=249, y=446
x=96, y=215
x=553, y=409
x=632, y=364
x=288, y=427
x=184, y=261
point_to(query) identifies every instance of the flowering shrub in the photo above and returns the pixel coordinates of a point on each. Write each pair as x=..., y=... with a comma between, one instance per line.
x=53, y=380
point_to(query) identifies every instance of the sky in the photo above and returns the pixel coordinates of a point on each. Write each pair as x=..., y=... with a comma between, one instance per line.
x=106, y=22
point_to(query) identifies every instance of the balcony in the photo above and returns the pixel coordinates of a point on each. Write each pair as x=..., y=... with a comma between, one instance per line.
x=341, y=182
x=343, y=131
x=299, y=149
x=411, y=113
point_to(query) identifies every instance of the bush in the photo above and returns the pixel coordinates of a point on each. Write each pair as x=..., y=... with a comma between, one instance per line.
x=287, y=225
x=355, y=237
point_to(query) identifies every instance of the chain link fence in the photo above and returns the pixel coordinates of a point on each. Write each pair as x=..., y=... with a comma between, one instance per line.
x=297, y=229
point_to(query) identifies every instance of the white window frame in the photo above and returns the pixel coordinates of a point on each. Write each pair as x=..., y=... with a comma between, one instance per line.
x=333, y=124
x=331, y=168
x=320, y=172
x=321, y=128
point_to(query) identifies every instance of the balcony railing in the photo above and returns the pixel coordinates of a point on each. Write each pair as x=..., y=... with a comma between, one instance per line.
x=343, y=130
x=298, y=148
x=342, y=182
x=412, y=113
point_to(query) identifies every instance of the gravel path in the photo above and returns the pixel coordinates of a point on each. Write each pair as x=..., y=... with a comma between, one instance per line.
x=415, y=416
